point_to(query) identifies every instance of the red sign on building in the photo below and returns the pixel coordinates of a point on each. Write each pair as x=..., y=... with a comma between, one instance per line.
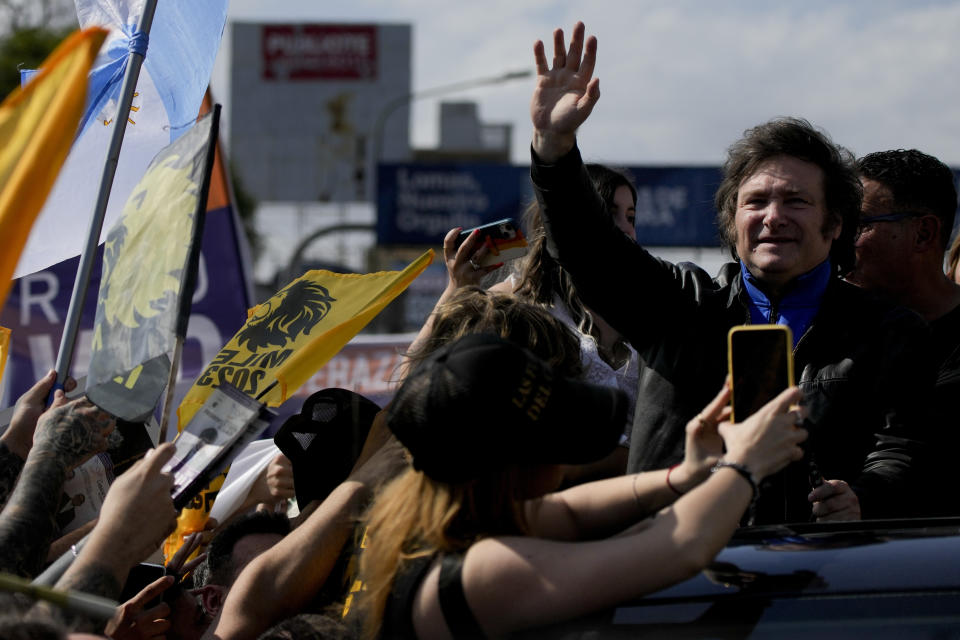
x=319, y=52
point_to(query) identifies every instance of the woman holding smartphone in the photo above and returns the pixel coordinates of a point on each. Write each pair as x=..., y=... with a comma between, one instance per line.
x=471, y=541
x=606, y=358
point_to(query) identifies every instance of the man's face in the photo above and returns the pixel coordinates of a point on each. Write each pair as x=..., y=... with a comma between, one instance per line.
x=882, y=246
x=781, y=211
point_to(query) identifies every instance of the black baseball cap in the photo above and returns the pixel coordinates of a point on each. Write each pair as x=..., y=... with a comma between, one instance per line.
x=324, y=440
x=482, y=403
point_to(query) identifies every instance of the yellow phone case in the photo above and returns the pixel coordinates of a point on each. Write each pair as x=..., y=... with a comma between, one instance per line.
x=787, y=341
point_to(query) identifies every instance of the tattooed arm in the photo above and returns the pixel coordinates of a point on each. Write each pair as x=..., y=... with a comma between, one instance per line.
x=16, y=441
x=67, y=435
x=137, y=515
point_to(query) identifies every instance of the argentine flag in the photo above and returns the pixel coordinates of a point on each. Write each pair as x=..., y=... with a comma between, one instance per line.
x=183, y=44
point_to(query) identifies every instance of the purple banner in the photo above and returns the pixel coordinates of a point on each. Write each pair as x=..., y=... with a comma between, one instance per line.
x=37, y=306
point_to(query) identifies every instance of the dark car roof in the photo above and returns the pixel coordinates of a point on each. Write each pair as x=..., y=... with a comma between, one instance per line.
x=874, y=579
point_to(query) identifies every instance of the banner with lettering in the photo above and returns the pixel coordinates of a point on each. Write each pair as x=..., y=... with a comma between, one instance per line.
x=419, y=203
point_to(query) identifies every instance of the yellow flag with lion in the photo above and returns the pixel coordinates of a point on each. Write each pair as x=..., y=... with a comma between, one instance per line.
x=286, y=340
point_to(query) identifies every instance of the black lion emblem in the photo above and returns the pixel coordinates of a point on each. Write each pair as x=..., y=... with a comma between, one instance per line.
x=293, y=311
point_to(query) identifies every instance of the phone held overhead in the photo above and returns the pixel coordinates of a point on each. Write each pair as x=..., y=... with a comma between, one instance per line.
x=503, y=239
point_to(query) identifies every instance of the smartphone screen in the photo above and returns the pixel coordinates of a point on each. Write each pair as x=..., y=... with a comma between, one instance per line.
x=761, y=366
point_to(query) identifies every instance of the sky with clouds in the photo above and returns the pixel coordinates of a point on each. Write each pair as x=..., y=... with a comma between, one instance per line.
x=680, y=80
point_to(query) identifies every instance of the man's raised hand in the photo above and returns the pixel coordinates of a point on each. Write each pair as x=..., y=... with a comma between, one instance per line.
x=565, y=94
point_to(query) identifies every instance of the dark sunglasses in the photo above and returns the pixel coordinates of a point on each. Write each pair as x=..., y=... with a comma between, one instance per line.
x=887, y=217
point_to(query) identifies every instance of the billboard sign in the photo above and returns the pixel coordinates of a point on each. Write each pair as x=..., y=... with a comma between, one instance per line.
x=419, y=203
x=319, y=52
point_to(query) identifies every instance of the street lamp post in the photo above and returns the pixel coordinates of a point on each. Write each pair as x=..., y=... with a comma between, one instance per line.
x=399, y=101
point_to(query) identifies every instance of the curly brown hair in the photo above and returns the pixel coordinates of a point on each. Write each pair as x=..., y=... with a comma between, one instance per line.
x=797, y=138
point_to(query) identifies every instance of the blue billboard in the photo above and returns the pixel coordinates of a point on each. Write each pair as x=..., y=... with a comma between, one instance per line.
x=418, y=203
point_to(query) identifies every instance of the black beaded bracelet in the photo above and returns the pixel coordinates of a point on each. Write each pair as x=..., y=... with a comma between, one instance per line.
x=743, y=471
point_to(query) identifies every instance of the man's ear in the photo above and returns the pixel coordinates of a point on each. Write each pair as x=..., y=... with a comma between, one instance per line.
x=928, y=234
x=211, y=597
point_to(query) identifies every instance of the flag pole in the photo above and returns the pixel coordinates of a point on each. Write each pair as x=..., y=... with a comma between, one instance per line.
x=82, y=282
x=171, y=388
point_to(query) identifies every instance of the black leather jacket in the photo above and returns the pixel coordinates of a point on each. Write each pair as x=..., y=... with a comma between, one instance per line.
x=863, y=365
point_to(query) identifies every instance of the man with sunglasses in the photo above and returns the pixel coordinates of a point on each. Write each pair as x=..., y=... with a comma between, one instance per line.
x=909, y=205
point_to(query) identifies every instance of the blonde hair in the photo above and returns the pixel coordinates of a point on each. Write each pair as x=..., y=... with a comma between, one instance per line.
x=415, y=516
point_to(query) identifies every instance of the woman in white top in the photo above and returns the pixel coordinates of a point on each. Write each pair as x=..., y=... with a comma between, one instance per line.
x=606, y=358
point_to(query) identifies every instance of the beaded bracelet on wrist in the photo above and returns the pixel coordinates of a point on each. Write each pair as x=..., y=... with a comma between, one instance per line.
x=744, y=473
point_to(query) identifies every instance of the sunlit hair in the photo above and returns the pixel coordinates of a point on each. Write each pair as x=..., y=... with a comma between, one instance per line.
x=540, y=276
x=796, y=138
x=415, y=516
x=475, y=310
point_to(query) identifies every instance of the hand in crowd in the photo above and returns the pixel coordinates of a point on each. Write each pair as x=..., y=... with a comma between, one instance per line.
x=704, y=446
x=565, y=94
x=134, y=622
x=834, y=500
x=768, y=440
x=138, y=512
x=274, y=484
x=460, y=260
x=19, y=436
x=73, y=431
x=178, y=564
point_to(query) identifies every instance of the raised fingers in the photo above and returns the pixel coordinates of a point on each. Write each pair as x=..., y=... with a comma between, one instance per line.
x=714, y=408
x=193, y=564
x=576, y=47
x=540, y=58
x=559, y=51
x=783, y=402
x=468, y=246
x=450, y=243
x=190, y=544
x=590, y=61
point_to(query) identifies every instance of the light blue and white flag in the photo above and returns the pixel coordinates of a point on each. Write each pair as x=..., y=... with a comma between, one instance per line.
x=183, y=44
